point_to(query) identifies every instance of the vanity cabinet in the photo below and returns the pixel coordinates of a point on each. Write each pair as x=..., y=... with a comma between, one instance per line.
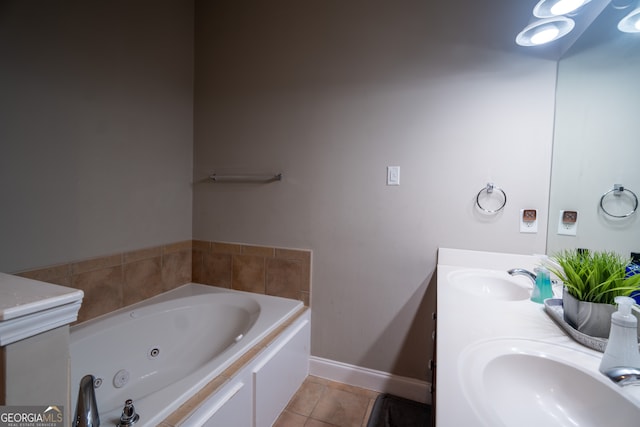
x=257, y=394
x=433, y=366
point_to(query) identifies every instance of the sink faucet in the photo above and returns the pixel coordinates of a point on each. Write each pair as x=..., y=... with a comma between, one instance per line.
x=523, y=272
x=623, y=375
x=86, y=408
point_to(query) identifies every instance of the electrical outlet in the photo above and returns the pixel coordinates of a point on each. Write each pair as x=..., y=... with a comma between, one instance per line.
x=528, y=221
x=568, y=223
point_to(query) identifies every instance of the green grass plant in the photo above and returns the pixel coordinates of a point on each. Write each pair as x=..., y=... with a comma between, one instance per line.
x=596, y=277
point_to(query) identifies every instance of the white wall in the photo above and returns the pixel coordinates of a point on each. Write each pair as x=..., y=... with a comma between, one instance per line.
x=330, y=93
x=96, y=128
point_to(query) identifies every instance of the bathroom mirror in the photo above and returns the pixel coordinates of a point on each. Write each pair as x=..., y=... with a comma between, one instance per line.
x=596, y=144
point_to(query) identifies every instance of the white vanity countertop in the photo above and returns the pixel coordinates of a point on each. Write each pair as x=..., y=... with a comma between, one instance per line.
x=20, y=296
x=464, y=319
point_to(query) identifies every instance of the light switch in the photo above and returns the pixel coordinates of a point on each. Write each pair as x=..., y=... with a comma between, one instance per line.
x=393, y=175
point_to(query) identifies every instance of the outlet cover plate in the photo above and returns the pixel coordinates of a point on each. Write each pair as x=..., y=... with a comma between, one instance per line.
x=528, y=221
x=568, y=223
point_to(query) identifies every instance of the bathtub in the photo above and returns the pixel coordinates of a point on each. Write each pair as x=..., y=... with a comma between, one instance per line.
x=160, y=352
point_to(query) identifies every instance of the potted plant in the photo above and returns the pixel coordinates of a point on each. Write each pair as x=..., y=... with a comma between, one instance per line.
x=592, y=280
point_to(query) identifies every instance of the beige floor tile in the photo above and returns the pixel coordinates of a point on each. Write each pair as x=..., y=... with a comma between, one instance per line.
x=319, y=380
x=341, y=408
x=369, y=394
x=306, y=398
x=290, y=419
x=317, y=423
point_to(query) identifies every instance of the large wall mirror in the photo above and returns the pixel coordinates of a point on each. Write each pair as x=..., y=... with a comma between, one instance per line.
x=597, y=140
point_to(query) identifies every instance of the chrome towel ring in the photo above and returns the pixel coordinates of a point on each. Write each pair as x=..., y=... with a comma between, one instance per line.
x=489, y=189
x=618, y=190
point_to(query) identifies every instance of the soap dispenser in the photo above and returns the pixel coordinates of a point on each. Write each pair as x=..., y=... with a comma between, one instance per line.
x=622, y=347
x=542, y=289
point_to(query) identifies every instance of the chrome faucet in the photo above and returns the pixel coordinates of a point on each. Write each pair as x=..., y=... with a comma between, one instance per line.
x=623, y=375
x=86, y=408
x=523, y=272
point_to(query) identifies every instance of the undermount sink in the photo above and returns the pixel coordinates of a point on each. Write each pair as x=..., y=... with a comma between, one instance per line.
x=513, y=382
x=492, y=284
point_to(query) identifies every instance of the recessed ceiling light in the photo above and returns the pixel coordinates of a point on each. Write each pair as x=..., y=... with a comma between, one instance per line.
x=631, y=22
x=545, y=31
x=551, y=8
x=621, y=4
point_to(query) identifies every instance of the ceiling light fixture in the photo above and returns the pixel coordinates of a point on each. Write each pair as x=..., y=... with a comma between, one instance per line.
x=545, y=31
x=621, y=4
x=631, y=22
x=551, y=8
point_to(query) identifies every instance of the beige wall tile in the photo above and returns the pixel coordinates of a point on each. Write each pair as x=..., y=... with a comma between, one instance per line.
x=305, y=297
x=103, y=291
x=197, y=266
x=216, y=269
x=112, y=281
x=142, y=254
x=177, y=247
x=201, y=245
x=284, y=277
x=262, y=251
x=248, y=273
x=302, y=255
x=142, y=279
x=96, y=263
x=226, y=248
x=57, y=274
x=176, y=269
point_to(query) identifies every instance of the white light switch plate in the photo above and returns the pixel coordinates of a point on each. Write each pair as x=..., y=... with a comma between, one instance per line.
x=393, y=175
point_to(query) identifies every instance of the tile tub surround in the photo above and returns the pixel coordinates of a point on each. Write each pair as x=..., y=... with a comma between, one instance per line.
x=260, y=269
x=114, y=281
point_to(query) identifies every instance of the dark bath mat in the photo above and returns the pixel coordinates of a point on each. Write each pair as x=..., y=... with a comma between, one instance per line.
x=393, y=411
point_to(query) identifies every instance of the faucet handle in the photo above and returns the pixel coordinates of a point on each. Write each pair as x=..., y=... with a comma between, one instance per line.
x=622, y=375
x=129, y=416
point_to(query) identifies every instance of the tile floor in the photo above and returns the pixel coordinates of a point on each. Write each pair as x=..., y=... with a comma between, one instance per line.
x=323, y=403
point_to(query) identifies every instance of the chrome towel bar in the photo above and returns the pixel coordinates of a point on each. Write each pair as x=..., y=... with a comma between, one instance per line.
x=246, y=178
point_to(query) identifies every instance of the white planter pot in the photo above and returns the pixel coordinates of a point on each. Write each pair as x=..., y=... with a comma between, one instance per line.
x=593, y=319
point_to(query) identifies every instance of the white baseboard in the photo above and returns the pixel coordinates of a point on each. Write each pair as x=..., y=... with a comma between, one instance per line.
x=370, y=379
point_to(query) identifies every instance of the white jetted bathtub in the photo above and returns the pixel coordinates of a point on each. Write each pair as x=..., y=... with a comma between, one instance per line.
x=162, y=351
